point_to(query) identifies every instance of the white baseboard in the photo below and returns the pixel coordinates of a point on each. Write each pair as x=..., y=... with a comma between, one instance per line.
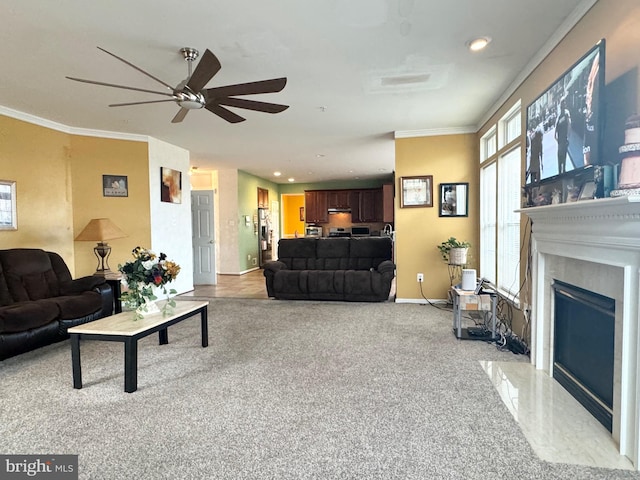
x=421, y=300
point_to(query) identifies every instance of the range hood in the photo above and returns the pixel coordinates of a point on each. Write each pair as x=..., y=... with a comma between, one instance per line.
x=339, y=210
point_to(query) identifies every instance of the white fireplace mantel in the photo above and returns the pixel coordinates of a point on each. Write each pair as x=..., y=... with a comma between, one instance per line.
x=595, y=245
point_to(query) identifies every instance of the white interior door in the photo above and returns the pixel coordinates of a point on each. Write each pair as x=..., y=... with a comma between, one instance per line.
x=204, y=248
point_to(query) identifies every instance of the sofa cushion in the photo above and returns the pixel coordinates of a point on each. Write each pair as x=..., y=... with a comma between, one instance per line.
x=360, y=282
x=291, y=281
x=27, y=315
x=368, y=252
x=332, y=253
x=29, y=274
x=326, y=282
x=5, y=296
x=298, y=253
x=77, y=306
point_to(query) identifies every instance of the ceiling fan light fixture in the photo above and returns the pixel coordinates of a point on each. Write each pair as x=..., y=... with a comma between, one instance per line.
x=478, y=44
x=190, y=100
x=190, y=94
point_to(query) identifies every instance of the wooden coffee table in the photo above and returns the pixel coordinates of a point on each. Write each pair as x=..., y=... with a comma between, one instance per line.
x=123, y=328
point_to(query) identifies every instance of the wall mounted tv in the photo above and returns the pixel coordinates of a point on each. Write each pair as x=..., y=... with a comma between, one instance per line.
x=565, y=123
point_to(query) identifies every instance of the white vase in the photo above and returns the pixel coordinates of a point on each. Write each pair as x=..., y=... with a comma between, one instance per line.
x=147, y=308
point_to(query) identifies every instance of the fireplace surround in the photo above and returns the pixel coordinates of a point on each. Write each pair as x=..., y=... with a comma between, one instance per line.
x=594, y=245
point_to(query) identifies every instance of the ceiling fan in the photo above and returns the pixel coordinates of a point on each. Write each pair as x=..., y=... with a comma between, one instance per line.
x=190, y=94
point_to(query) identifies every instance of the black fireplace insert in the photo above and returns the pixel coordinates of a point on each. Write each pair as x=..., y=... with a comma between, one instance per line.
x=584, y=329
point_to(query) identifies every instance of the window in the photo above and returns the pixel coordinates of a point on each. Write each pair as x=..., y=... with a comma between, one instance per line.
x=500, y=184
x=488, y=145
x=488, y=225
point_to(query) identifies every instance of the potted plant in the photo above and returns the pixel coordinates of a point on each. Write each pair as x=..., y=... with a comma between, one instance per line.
x=453, y=251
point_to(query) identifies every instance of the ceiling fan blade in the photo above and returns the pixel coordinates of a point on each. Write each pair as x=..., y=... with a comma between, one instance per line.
x=252, y=105
x=208, y=66
x=180, y=115
x=119, y=86
x=137, y=68
x=223, y=113
x=141, y=103
x=262, y=86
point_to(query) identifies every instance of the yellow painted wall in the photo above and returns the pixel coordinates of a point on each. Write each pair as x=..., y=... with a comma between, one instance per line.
x=449, y=159
x=37, y=159
x=291, y=223
x=91, y=158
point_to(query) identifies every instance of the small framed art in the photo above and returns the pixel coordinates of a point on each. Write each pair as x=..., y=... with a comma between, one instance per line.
x=454, y=200
x=8, y=206
x=115, y=186
x=171, y=185
x=416, y=191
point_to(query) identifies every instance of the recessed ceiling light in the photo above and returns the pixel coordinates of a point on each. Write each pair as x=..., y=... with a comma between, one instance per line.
x=276, y=174
x=478, y=44
x=291, y=179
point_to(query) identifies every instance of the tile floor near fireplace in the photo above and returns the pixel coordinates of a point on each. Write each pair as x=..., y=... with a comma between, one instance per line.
x=558, y=428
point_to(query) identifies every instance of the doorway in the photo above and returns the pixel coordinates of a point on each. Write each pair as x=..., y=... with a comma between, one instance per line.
x=292, y=215
x=203, y=241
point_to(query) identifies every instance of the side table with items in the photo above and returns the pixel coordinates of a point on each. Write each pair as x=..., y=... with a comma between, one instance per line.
x=113, y=279
x=483, y=301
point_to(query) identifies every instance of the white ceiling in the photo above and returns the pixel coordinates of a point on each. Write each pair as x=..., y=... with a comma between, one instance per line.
x=348, y=63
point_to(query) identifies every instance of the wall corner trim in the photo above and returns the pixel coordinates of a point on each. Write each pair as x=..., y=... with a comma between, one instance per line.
x=43, y=122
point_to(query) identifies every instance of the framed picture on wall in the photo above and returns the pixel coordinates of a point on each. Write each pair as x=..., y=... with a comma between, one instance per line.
x=454, y=200
x=171, y=185
x=115, y=186
x=416, y=191
x=8, y=210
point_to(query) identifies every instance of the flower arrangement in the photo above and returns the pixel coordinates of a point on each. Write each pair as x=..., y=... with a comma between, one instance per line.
x=142, y=274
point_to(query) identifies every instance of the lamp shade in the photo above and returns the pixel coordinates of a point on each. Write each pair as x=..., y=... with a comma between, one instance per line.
x=100, y=229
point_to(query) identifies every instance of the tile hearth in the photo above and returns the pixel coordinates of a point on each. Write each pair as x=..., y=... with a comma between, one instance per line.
x=556, y=426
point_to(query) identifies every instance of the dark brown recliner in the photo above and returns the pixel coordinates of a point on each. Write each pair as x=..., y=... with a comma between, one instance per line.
x=39, y=300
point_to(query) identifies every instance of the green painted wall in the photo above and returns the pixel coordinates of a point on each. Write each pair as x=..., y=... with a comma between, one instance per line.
x=248, y=205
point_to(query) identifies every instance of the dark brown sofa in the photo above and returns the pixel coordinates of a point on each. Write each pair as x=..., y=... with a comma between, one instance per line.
x=348, y=269
x=39, y=300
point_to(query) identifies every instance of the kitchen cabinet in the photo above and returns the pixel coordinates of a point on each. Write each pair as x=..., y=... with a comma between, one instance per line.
x=315, y=206
x=338, y=199
x=366, y=205
x=263, y=198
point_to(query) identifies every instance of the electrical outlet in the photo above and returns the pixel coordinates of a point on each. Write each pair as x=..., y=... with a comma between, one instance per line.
x=249, y=256
x=420, y=277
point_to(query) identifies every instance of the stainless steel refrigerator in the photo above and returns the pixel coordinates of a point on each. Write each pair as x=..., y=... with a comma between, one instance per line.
x=265, y=236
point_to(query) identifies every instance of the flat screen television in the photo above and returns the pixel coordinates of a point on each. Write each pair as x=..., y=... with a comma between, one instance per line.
x=565, y=123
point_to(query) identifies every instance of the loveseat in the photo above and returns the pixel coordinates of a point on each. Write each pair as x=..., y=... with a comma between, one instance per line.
x=39, y=300
x=357, y=269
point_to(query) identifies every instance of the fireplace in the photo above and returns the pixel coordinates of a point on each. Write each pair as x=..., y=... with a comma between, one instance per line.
x=583, y=357
x=593, y=245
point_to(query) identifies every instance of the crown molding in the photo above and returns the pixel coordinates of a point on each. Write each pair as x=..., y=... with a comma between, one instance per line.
x=572, y=19
x=43, y=122
x=432, y=132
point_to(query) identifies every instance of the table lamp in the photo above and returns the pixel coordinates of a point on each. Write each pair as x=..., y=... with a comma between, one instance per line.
x=101, y=229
